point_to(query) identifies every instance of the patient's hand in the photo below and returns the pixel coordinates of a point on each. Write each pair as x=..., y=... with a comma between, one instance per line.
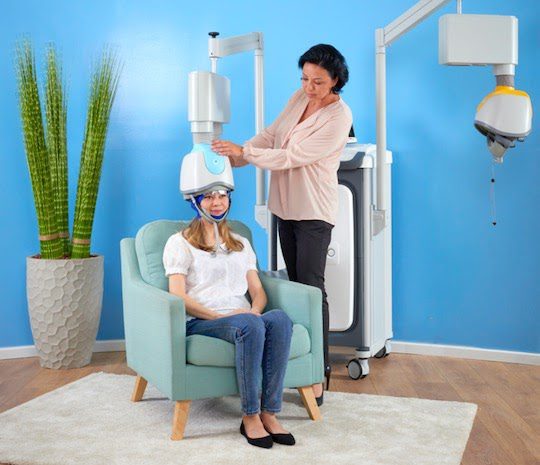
x=237, y=311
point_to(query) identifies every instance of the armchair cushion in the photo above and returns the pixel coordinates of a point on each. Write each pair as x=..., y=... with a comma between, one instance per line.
x=150, y=242
x=210, y=351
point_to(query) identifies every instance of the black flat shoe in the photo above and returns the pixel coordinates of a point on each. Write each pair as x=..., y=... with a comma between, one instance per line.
x=320, y=399
x=287, y=439
x=265, y=442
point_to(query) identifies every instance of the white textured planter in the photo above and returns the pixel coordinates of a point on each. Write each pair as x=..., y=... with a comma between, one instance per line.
x=64, y=304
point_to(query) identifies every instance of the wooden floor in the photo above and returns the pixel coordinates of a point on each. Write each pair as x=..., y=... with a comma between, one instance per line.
x=506, y=430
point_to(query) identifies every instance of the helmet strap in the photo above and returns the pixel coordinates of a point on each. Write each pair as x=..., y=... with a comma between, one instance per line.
x=215, y=220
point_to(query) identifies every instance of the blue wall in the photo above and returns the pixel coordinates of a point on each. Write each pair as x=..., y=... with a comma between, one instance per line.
x=457, y=279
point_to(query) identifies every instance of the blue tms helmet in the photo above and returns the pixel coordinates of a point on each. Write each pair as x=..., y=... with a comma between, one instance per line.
x=204, y=172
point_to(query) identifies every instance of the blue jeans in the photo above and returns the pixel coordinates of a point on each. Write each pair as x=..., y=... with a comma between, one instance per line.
x=260, y=342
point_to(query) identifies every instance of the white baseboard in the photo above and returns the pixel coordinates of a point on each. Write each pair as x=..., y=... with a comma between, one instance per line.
x=17, y=352
x=417, y=348
x=114, y=345
x=400, y=347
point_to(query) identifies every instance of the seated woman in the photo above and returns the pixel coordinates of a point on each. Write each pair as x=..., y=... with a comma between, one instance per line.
x=211, y=269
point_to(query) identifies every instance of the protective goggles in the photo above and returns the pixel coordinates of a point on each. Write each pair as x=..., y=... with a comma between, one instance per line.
x=216, y=193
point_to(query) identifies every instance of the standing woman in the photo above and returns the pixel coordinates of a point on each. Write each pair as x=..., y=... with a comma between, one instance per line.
x=302, y=149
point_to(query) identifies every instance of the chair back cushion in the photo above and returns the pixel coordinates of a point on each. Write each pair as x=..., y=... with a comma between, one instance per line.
x=150, y=242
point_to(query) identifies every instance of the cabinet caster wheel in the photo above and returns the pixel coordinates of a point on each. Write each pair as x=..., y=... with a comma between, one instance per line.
x=358, y=369
x=384, y=352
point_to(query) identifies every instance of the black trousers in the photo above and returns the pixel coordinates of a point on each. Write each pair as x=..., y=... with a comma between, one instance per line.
x=304, y=245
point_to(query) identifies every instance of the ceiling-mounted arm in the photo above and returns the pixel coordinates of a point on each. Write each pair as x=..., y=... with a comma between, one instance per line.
x=383, y=38
x=218, y=48
x=408, y=20
x=504, y=116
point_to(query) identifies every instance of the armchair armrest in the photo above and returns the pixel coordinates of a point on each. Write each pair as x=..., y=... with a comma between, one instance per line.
x=155, y=328
x=303, y=304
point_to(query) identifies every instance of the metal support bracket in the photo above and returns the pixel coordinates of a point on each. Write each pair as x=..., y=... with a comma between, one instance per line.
x=261, y=216
x=378, y=221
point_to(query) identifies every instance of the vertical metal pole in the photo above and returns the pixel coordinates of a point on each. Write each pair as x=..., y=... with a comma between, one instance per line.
x=260, y=174
x=380, y=91
x=366, y=294
x=458, y=7
x=212, y=41
x=259, y=121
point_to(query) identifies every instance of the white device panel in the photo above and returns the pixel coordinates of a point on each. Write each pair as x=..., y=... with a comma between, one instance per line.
x=209, y=97
x=380, y=326
x=478, y=40
x=339, y=275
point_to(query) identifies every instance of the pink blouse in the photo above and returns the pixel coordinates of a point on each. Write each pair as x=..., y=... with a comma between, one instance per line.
x=303, y=158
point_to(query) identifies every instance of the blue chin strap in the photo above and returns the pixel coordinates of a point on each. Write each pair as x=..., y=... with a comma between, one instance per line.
x=194, y=207
x=195, y=202
x=215, y=219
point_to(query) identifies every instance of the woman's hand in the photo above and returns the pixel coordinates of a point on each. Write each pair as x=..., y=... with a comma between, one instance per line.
x=233, y=151
x=236, y=311
x=256, y=311
x=227, y=148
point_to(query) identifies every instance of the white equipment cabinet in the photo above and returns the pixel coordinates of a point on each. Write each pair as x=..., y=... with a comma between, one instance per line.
x=359, y=263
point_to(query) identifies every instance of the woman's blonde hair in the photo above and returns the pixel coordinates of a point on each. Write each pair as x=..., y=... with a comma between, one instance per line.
x=194, y=234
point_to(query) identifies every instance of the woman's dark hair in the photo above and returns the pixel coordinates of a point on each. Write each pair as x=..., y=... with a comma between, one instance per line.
x=328, y=57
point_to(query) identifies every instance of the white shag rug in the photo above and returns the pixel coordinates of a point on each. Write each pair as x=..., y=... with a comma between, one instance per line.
x=92, y=421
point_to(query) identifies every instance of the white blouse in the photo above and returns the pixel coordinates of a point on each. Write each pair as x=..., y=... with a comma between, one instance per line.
x=219, y=282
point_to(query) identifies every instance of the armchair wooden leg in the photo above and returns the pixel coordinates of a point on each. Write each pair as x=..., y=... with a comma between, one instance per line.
x=140, y=386
x=181, y=412
x=308, y=398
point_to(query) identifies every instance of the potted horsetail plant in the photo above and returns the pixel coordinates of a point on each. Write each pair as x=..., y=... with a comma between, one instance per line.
x=64, y=282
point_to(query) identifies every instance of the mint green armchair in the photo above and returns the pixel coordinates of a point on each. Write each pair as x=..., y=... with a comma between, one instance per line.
x=187, y=368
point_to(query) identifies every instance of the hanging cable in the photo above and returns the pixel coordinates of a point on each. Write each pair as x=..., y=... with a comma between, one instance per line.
x=492, y=201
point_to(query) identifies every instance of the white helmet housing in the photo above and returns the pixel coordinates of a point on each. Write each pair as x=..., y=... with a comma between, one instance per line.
x=504, y=116
x=203, y=170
